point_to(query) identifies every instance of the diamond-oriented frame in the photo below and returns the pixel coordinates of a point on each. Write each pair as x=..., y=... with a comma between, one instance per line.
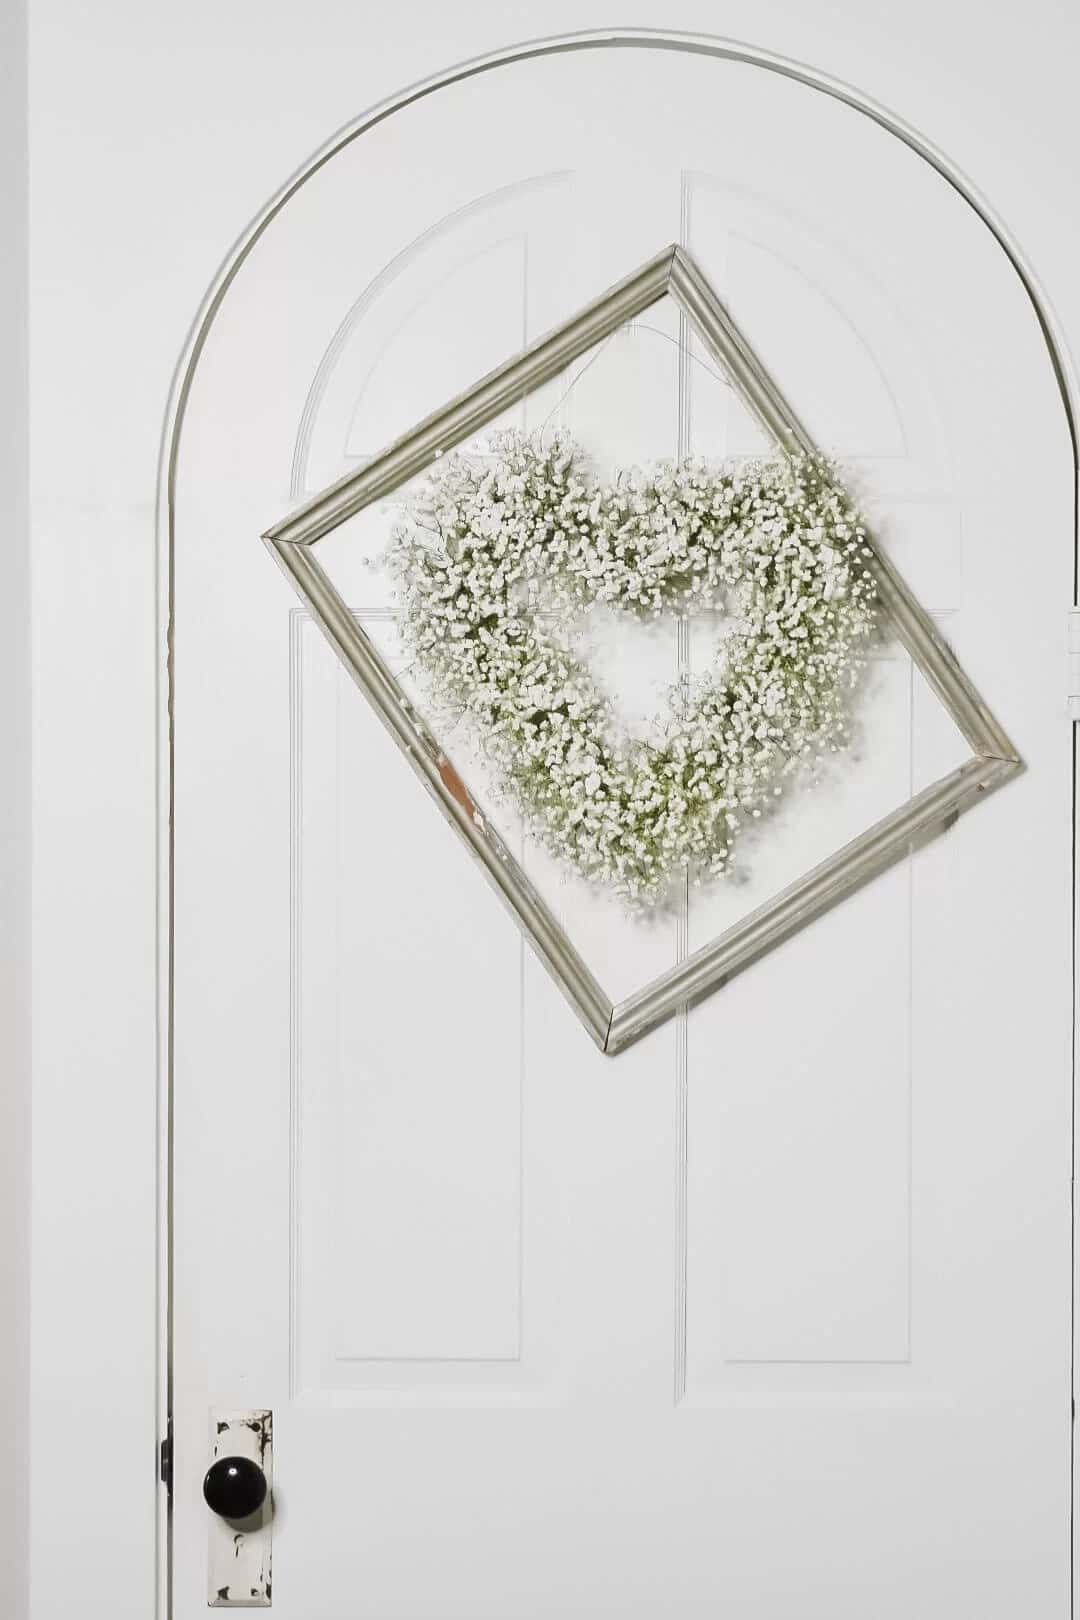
x=614, y=1025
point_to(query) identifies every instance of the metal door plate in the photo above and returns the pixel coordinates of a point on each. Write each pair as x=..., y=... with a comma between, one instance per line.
x=238, y=1561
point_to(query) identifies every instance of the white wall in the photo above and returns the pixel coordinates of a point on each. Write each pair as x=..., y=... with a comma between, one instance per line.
x=155, y=132
x=14, y=820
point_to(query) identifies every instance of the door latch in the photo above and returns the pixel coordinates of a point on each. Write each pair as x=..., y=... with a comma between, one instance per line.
x=1072, y=647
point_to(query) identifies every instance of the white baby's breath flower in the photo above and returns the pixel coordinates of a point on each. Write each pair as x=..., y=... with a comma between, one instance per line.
x=493, y=563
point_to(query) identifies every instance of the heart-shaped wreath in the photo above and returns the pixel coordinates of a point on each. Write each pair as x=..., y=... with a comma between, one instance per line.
x=499, y=555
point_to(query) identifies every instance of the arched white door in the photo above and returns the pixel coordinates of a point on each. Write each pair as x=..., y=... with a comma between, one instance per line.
x=768, y=1315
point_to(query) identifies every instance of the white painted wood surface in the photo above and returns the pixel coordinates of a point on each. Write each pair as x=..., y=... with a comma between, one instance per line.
x=120, y=162
x=15, y=821
x=759, y=1307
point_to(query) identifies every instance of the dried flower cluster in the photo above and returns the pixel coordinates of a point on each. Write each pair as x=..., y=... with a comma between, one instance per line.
x=499, y=556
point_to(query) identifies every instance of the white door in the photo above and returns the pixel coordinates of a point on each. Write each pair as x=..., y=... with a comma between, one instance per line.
x=768, y=1315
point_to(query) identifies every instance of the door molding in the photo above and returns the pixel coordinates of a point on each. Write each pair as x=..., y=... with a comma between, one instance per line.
x=706, y=45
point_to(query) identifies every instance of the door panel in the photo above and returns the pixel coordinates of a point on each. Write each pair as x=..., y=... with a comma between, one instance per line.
x=768, y=1314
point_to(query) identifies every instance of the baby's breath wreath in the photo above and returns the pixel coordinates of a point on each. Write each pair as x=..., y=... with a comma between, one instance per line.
x=498, y=556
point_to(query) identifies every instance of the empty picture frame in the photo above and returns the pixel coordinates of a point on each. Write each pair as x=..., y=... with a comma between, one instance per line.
x=614, y=1025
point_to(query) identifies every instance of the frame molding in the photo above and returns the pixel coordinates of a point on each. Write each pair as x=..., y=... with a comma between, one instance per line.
x=615, y=1025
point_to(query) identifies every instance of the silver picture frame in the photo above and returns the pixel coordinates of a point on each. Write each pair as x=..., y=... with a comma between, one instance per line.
x=615, y=1025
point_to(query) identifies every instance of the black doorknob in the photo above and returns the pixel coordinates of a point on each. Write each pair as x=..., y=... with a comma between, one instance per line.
x=234, y=1487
